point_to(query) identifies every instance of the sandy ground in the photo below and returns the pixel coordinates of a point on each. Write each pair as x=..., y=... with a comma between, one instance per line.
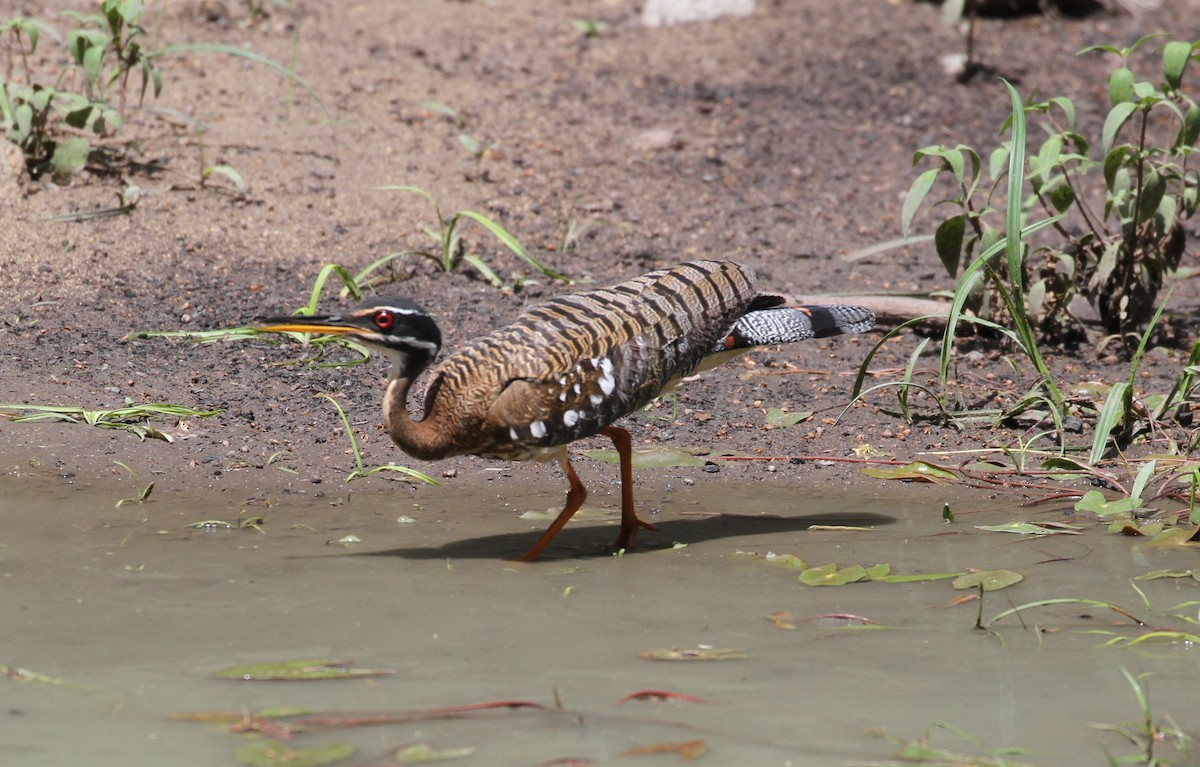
x=783, y=140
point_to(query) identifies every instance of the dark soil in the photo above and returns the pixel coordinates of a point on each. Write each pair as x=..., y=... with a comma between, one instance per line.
x=783, y=141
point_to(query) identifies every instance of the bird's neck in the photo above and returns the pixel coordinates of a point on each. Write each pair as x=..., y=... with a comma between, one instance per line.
x=420, y=439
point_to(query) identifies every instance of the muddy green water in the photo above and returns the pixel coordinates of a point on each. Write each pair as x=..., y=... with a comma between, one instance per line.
x=136, y=611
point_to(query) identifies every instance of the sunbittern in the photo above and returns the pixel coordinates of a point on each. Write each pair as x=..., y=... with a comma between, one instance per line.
x=568, y=368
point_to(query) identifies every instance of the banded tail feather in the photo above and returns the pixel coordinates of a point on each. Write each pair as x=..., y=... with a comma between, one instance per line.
x=788, y=324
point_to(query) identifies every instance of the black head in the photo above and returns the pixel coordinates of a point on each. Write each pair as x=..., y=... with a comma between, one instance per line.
x=398, y=328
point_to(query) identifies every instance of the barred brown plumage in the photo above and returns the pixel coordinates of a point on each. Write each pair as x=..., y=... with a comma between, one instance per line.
x=568, y=368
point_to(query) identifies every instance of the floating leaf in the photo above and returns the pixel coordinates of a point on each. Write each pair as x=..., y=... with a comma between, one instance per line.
x=1125, y=527
x=917, y=470
x=790, y=561
x=1175, y=536
x=991, y=580
x=299, y=670
x=652, y=457
x=272, y=753
x=783, y=619
x=692, y=749
x=777, y=417
x=1095, y=502
x=1027, y=528
x=913, y=577
x=1155, y=575
x=229, y=717
x=693, y=654
x=831, y=575
x=421, y=753
x=660, y=695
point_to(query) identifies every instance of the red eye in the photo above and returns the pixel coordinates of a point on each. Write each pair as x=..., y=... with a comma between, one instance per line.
x=384, y=319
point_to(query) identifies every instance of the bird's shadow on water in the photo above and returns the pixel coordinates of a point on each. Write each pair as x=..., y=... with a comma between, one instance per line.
x=595, y=540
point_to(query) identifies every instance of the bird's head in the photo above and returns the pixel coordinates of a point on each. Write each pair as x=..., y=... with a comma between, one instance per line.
x=396, y=327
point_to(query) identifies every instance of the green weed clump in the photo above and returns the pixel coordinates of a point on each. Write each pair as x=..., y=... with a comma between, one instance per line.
x=1115, y=202
x=55, y=124
x=61, y=117
x=449, y=248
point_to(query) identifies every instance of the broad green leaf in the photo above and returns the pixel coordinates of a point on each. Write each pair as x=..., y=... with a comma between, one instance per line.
x=299, y=670
x=1153, y=188
x=777, y=417
x=915, y=470
x=1113, y=162
x=1116, y=406
x=911, y=577
x=998, y=161
x=832, y=575
x=1095, y=502
x=1143, y=477
x=651, y=457
x=70, y=156
x=1062, y=197
x=272, y=753
x=1120, y=86
x=1113, y=123
x=991, y=580
x=1175, y=58
x=916, y=194
x=948, y=240
x=1190, y=130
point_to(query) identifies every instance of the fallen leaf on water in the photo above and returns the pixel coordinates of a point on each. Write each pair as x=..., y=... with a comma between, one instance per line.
x=1095, y=502
x=1028, y=528
x=691, y=654
x=299, y=670
x=421, y=753
x=832, y=575
x=227, y=717
x=782, y=619
x=653, y=457
x=1154, y=575
x=991, y=580
x=1175, y=536
x=917, y=470
x=788, y=561
x=842, y=619
x=19, y=674
x=272, y=753
x=687, y=751
x=1134, y=529
x=660, y=695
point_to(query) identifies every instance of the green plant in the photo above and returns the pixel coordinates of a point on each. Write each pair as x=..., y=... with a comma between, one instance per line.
x=56, y=117
x=1115, y=241
x=130, y=418
x=1146, y=735
x=360, y=471
x=450, y=249
x=51, y=124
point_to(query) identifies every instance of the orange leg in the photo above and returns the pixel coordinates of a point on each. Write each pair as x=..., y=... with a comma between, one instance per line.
x=575, y=497
x=629, y=518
